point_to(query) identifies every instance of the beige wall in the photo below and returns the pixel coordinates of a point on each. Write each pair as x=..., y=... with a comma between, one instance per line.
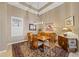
x=75, y=13
x=6, y=11
x=59, y=14
x=3, y=19
x=13, y=11
x=27, y=19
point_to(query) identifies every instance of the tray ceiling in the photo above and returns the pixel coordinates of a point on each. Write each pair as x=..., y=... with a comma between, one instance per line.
x=36, y=7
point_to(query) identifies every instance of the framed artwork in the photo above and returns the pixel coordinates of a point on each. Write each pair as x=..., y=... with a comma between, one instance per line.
x=50, y=27
x=32, y=27
x=69, y=21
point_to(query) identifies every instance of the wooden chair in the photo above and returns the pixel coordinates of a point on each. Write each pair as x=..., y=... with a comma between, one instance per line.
x=34, y=42
x=52, y=37
x=63, y=42
x=30, y=38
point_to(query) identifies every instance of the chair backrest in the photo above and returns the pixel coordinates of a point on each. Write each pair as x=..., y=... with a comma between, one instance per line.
x=41, y=33
x=63, y=42
x=52, y=36
x=30, y=36
x=32, y=40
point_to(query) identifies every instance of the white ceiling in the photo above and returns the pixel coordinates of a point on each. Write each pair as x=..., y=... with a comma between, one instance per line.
x=33, y=6
x=37, y=5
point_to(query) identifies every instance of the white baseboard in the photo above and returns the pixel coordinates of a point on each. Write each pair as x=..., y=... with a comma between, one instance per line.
x=17, y=42
x=3, y=51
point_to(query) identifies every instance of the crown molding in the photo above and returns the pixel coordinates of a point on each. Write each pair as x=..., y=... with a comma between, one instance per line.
x=44, y=10
x=18, y=5
x=50, y=7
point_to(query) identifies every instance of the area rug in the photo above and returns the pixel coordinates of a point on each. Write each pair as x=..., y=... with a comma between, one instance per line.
x=24, y=50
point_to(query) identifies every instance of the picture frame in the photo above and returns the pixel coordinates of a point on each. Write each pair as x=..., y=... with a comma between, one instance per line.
x=32, y=27
x=69, y=21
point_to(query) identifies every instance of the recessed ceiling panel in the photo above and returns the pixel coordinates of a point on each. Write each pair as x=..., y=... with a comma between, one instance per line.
x=37, y=5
